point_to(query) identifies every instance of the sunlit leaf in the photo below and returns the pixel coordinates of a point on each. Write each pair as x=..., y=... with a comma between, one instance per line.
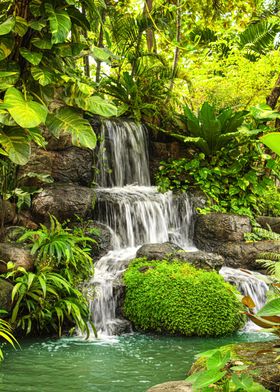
x=16, y=145
x=69, y=121
x=60, y=23
x=7, y=26
x=272, y=140
x=27, y=114
x=33, y=57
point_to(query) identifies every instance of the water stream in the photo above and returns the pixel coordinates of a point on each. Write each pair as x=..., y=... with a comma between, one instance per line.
x=136, y=213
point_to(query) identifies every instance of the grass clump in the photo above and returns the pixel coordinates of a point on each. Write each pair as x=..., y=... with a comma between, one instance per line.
x=177, y=298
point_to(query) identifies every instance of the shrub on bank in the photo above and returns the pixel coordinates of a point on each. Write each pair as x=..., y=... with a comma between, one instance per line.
x=180, y=299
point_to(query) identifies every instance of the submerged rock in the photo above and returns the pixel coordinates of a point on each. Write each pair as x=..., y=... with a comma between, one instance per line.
x=20, y=256
x=172, y=386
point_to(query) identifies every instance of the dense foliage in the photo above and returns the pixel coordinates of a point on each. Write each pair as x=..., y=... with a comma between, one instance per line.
x=177, y=298
x=49, y=300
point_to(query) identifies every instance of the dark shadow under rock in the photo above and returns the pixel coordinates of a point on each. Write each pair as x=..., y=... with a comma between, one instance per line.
x=6, y=289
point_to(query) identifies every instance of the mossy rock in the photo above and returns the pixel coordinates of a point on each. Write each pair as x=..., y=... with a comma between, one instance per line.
x=177, y=298
x=261, y=358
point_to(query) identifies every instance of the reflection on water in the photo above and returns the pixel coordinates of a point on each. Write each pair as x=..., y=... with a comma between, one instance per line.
x=130, y=363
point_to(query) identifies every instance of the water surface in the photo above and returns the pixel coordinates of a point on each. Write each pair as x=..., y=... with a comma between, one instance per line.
x=130, y=363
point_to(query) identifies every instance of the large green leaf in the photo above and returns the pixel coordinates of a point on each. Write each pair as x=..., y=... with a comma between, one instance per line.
x=272, y=308
x=33, y=57
x=60, y=23
x=272, y=140
x=208, y=377
x=21, y=26
x=97, y=105
x=15, y=143
x=42, y=43
x=78, y=18
x=69, y=121
x=43, y=76
x=7, y=26
x=27, y=114
x=6, y=46
x=9, y=74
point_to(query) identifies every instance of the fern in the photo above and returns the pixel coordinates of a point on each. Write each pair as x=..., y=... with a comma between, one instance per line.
x=259, y=37
x=271, y=262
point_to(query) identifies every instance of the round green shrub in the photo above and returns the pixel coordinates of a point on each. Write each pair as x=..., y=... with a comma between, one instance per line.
x=180, y=299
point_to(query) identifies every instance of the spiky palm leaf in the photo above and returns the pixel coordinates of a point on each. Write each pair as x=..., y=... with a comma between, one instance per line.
x=259, y=37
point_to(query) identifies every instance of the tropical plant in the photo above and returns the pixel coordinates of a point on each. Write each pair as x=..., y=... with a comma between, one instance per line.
x=41, y=43
x=45, y=302
x=272, y=140
x=222, y=372
x=6, y=334
x=176, y=298
x=210, y=131
x=59, y=248
x=234, y=180
x=268, y=317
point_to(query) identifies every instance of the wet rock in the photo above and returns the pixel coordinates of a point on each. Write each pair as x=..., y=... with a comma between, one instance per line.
x=6, y=289
x=172, y=386
x=270, y=222
x=20, y=256
x=214, y=228
x=261, y=360
x=101, y=234
x=200, y=259
x=64, y=201
x=157, y=251
x=245, y=254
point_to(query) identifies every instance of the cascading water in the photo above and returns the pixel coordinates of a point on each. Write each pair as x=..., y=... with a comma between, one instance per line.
x=248, y=283
x=133, y=210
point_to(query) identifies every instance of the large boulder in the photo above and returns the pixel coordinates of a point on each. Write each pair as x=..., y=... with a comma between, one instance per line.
x=271, y=222
x=64, y=201
x=214, y=228
x=172, y=386
x=72, y=165
x=170, y=251
x=261, y=358
x=20, y=256
x=6, y=289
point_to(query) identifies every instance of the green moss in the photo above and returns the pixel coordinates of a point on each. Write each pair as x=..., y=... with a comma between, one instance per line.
x=179, y=299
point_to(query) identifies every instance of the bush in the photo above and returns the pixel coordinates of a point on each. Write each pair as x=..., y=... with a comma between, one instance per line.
x=179, y=299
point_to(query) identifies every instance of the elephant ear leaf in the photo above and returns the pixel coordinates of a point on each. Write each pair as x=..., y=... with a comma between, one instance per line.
x=60, y=23
x=272, y=140
x=27, y=114
x=67, y=120
x=15, y=145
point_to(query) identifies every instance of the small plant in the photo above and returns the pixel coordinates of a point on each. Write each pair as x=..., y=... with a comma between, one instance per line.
x=259, y=234
x=46, y=302
x=176, y=298
x=61, y=249
x=222, y=373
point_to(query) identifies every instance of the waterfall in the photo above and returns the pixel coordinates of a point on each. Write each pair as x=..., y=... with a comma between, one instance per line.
x=248, y=283
x=135, y=212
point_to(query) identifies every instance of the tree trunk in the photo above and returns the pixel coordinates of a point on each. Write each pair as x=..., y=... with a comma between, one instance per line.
x=273, y=97
x=150, y=36
x=100, y=45
x=177, y=50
